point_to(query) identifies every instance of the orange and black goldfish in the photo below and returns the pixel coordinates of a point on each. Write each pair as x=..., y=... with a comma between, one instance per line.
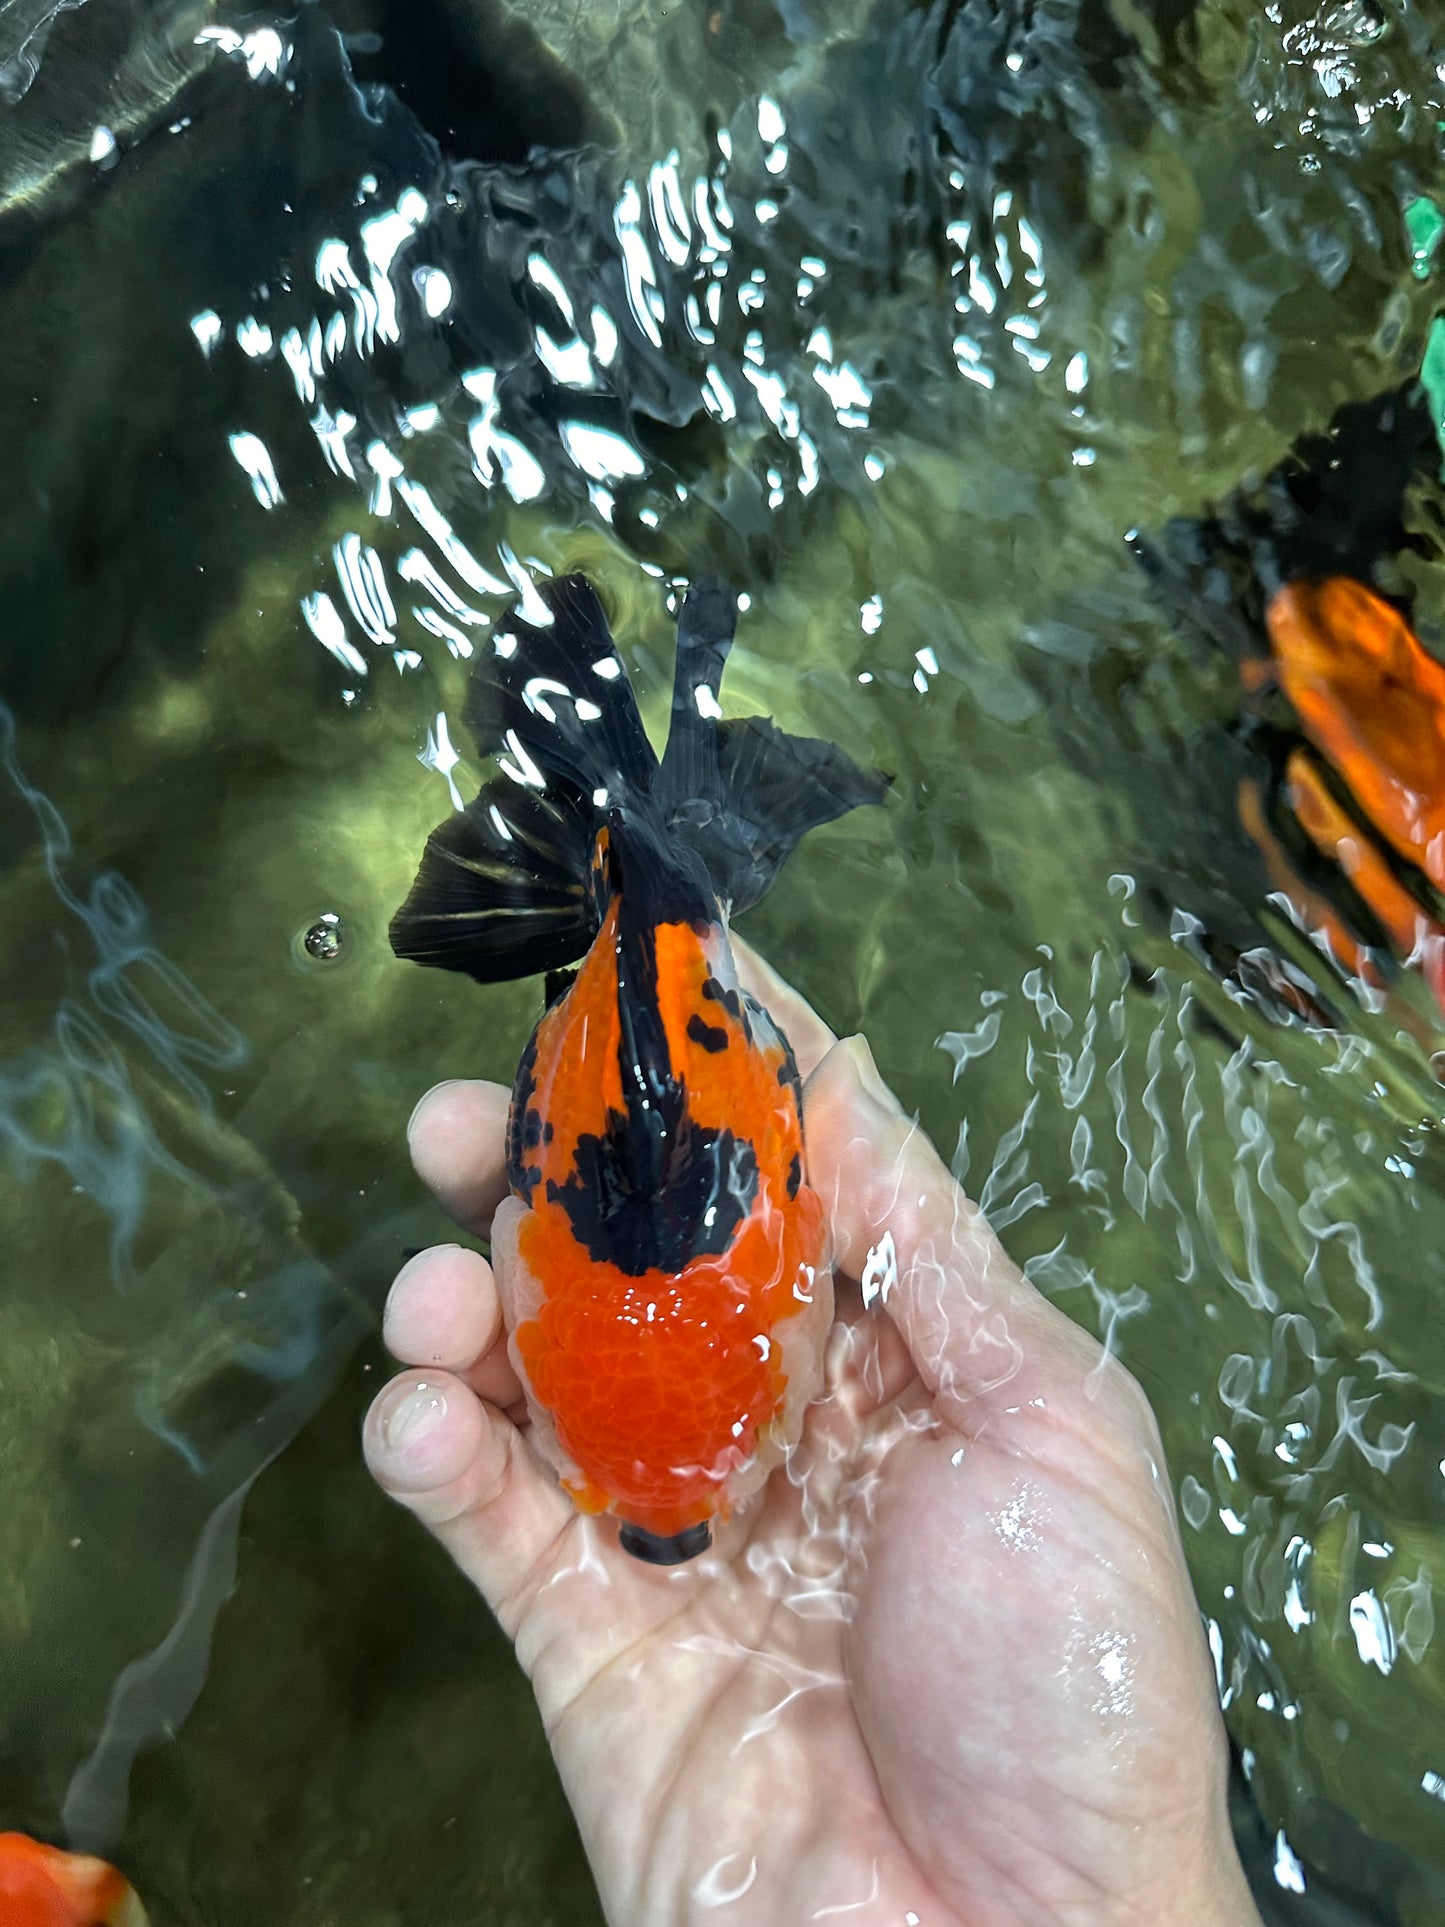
x=1366, y=786
x=1343, y=702
x=42, y=1886
x=669, y=1327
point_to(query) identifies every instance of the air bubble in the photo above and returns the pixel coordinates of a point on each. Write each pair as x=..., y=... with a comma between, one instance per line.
x=325, y=940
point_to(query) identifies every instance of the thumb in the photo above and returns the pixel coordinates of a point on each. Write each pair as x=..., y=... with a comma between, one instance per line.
x=977, y=1330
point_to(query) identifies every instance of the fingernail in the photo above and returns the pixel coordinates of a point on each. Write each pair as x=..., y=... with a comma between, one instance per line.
x=412, y=1416
x=868, y=1074
x=425, y=1099
x=417, y=1260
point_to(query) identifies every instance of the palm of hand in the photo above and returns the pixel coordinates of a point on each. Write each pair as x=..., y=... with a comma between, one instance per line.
x=947, y=1668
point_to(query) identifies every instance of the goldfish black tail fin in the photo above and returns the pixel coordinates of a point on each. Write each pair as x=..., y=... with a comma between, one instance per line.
x=743, y=792
x=555, y=695
x=505, y=887
x=503, y=890
x=705, y=631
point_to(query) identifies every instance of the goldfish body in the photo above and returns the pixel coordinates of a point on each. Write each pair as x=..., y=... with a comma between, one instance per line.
x=1368, y=793
x=674, y=1294
x=1372, y=701
x=42, y=1887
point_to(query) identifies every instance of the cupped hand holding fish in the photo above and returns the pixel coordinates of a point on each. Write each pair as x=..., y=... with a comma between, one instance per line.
x=946, y=1668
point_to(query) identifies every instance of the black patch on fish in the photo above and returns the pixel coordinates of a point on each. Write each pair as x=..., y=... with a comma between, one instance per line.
x=708, y=1035
x=788, y=1074
x=556, y=985
x=736, y=1003
x=524, y=1126
x=671, y=1549
x=719, y=993
x=706, y=1183
x=549, y=1131
x=795, y=1175
x=1339, y=503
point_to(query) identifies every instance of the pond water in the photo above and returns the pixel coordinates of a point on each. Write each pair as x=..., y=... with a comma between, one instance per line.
x=322, y=336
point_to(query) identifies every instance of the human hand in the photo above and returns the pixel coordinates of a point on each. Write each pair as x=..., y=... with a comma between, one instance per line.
x=947, y=1669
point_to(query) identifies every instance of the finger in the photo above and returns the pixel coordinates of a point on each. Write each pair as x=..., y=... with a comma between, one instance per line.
x=457, y=1136
x=982, y=1339
x=804, y=1029
x=468, y=1474
x=442, y=1309
x=868, y=1363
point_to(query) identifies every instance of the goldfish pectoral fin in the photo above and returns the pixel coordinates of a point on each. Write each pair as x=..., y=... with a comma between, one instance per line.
x=586, y=1496
x=502, y=890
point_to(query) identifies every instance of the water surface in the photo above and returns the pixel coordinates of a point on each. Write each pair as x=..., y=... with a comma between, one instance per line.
x=323, y=336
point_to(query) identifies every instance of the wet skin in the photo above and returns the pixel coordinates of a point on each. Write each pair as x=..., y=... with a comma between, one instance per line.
x=947, y=1666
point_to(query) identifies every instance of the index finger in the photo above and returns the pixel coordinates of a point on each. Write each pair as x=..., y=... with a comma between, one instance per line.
x=807, y=1034
x=984, y=1341
x=458, y=1141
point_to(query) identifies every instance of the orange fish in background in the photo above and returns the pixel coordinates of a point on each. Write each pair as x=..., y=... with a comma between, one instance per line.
x=1318, y=916
x=1371, y=701
x=668, y=1326
x=41, y=1886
